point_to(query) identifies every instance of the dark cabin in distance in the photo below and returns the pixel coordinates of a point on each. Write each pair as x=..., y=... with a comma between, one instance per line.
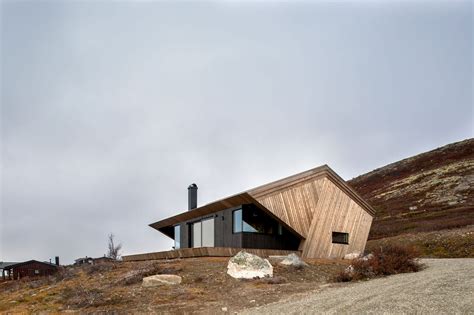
x=314, y=213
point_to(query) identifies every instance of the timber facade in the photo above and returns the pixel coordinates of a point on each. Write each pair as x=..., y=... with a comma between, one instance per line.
x=314, y=213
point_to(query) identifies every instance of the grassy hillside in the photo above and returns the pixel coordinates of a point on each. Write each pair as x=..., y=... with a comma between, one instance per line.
x=431, y=191
x=116, y=288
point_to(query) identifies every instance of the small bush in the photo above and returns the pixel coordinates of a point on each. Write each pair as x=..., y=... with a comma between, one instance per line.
x=383, y=261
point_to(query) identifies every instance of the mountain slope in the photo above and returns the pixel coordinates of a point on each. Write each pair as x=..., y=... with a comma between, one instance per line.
x=428, y=192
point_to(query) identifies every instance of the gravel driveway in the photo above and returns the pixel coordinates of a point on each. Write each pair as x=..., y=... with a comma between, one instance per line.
x=444, y=287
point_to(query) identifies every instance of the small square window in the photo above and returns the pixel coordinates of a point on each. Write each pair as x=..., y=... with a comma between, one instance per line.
x=37, y=272
x=340, y=238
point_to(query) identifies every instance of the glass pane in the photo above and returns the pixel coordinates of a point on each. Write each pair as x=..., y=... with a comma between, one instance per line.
x=197, y=234
x=255, y=221
x=340, y=238
x=237, y=220
x=208, y=232
x=177, y=237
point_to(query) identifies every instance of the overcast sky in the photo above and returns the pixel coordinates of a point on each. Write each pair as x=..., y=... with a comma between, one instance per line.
x=110, y=110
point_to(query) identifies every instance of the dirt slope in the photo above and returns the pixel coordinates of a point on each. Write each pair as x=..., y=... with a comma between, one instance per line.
x=428, y=192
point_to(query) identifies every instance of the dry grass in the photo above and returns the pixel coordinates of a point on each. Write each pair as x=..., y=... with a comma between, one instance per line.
x=383, y=261
x=117, y=287
x=453, y=243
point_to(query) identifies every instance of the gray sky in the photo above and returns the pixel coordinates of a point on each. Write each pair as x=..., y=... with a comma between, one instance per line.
x=109, y=110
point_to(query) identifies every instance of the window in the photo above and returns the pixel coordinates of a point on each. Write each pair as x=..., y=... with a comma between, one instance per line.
x=280, y=229
x=208, y=232
x=177, y=237
x=37, y=272
x=251, y=220
x=196, y=228
x=202, y=233
x=237, y=221
x=340, y=238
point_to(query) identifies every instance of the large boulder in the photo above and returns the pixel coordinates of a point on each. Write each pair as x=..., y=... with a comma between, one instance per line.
x=293, y=260
x=158, y=280
x=248, y=266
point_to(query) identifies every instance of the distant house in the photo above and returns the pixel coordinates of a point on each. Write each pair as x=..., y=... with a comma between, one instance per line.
x=314, y=213
x=3, y=269
x=92, y=261
x=30, y=268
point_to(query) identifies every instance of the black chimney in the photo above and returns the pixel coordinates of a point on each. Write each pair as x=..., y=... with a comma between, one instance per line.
x=56, y=259
x=192, y=196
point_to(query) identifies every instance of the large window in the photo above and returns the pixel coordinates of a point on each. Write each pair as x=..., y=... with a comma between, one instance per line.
x=203, y=233
x=253, y=221
x=340, y=238
x=177, y=237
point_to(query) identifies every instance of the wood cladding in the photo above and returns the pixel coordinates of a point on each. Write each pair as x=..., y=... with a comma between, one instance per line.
x=315, y=204
x=207, y=252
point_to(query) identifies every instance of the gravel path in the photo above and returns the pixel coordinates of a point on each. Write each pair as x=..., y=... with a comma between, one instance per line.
x=444, y=287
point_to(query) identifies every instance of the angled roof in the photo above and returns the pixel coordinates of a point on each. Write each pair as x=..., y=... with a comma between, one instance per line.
x=29, y=262
x=213, y=207
x=258, y=194
x=5, y=264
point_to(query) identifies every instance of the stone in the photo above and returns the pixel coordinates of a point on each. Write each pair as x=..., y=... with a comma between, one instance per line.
x=351, y=256
x=248, y=266
x=224, y=309
x=157, y=280
x=367, y=257
x=293, y=260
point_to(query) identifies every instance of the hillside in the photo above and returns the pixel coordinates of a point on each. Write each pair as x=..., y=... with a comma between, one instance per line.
x=431, y=191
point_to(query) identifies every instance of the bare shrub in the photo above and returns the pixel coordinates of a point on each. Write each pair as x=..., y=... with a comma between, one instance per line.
x=113, y=249
x=388, y=260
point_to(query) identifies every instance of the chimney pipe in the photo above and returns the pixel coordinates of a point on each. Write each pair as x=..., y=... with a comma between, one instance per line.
x=192, y=196
x=56, y=259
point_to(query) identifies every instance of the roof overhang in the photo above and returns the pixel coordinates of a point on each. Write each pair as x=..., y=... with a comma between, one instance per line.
x=166, y=226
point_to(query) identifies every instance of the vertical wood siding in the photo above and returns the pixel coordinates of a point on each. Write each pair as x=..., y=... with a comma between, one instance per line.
x=315, y=208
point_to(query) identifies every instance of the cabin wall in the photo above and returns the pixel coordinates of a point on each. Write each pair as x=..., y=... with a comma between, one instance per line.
x=224, y=236
x=336, y=212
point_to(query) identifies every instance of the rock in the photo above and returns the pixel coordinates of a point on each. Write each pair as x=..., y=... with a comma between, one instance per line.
x=248, y=266
x=158, y=280
x=349, y=270
x=367, y=257
x=412, y=208
x=353, y=255
x=224, y=309
x=293, y=260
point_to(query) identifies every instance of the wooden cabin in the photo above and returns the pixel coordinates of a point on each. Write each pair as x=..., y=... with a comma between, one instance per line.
x=314, y=213
x=30, y=268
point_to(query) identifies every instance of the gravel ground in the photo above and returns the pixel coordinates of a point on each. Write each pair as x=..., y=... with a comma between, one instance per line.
x=444, y=287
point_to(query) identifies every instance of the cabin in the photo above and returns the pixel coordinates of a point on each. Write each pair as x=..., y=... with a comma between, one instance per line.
x=30, y=268
x=92, y=261
x=314, y=213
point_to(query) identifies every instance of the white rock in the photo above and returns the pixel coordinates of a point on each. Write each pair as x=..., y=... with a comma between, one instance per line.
x=293, y=260
x=158, y=280
x=353, y=255
x=224, y=309
x=369, y=256
x=248, y=266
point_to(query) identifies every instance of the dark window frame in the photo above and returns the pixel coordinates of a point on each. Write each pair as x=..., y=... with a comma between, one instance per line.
x=340, y=238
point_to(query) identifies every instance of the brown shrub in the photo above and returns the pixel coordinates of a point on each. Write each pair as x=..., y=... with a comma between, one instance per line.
x=383, y=261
